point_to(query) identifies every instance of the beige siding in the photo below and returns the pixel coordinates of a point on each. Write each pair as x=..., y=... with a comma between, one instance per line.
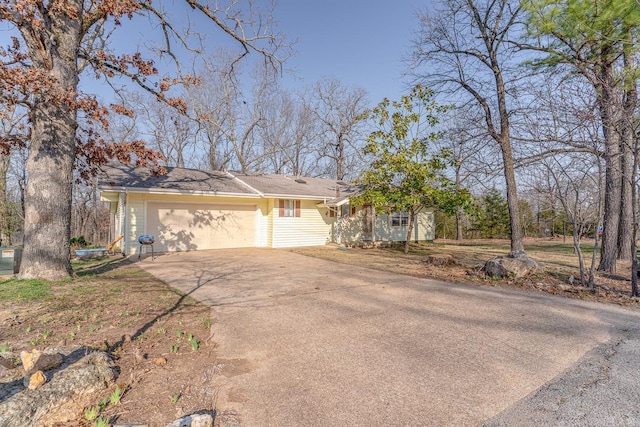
x=270, y=213
x=425, y=224
x=352, y=228
x=134, y=223
x=423, y=228
x=312, y=228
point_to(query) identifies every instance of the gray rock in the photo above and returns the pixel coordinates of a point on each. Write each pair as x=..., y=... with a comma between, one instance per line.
x=6, y=363
x=515, y=265
x=69, y=388
x=195, y=420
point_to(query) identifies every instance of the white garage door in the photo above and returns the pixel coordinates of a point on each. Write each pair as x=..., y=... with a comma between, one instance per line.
x=196, y=226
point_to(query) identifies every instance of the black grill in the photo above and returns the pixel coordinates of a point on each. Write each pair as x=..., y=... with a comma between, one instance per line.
x=146, y=240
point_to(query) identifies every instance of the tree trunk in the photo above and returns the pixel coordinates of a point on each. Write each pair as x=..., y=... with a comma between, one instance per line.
x=4, y=208
x=627, y=125
x=626, y=202
x=459, y=215
x=609, y=113
x=52, y=151
x=517, y=243
x=409, y=231
x=339, y=159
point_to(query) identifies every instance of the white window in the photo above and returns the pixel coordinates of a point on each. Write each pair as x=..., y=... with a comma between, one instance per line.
x=347, y=211
x=289, y=208
x=400, y=219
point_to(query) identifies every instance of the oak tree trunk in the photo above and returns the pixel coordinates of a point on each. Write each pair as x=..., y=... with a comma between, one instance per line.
x=5, y=214
x=51, y=154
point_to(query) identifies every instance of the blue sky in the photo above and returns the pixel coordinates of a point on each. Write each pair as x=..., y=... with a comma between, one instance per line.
x=359, y=42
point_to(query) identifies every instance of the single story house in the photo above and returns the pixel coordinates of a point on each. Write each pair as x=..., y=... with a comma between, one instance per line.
x=187, y=209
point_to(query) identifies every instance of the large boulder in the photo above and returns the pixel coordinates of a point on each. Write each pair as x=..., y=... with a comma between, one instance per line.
x=74, y=384
x=515, y=265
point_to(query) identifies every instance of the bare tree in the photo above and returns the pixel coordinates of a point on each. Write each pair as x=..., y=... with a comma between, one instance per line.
x=339, y=111
x=12, y=122
x=289, y=134
x=231, y=113
x=599, y=41
x=462, y=47
x=575, y=182
x=41, y=70
x=169, y=132
x=468, y=149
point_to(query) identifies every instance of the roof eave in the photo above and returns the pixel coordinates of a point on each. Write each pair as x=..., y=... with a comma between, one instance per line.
x=176, y=192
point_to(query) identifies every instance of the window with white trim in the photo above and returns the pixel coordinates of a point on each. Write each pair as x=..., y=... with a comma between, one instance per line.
x=289, y=208
x=400, y=219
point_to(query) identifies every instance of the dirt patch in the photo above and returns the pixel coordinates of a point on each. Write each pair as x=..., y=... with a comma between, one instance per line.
x=561, y=274
x=161, y=340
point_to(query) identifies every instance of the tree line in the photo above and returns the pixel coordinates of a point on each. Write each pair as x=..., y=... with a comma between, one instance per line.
x=543, y=96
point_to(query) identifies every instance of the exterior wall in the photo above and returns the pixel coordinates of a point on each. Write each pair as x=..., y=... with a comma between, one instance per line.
x=136, y=213
x=314, y=226
x=352, y=228
x=423, y=228
x=263, y=227
x=270, y=216
x=311, y=228
x=120, y=219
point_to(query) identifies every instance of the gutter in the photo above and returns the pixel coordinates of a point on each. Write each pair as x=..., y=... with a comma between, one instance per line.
x=177, y=192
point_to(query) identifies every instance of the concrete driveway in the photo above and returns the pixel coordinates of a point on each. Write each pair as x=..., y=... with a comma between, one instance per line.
x=307, y=342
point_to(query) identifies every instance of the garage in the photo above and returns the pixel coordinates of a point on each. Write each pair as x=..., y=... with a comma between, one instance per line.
x=197, y=226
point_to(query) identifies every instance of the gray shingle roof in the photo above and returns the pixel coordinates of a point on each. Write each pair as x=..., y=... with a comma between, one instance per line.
x=178, y=179
x=282, y=185
x=192, y=180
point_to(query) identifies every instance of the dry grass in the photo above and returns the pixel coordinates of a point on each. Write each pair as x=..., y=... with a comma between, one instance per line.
x=145, y=325
x=560, y=276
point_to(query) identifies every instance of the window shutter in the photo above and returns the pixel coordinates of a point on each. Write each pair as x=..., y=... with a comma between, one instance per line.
x=297, y=214
x=353, y=210
x=281, y=207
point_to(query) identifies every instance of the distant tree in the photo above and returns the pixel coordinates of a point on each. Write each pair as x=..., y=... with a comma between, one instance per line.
x=403, y=176
x=167, y=130
x=289, y=135
x=463, y=48
x=338, y=109
x=40, y=70
x=472, y=157
x=598, y=40
x=492, y=215
x=527, y=218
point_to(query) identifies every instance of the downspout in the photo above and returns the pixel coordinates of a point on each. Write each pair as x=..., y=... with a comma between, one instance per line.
x=123, y=223
x=339, y=220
